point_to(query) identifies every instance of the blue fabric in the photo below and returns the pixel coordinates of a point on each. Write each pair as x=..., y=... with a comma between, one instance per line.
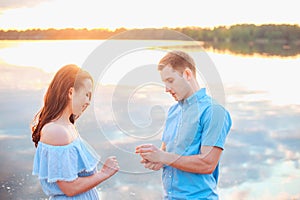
x=65, y=163
x=192, y=123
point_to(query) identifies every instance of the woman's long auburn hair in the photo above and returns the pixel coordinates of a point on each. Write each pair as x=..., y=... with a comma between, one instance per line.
x=56, y=98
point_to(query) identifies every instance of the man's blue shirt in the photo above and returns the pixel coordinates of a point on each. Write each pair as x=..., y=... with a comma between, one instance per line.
x=194, y=122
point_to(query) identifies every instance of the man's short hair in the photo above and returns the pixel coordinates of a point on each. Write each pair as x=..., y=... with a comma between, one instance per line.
x=179, y=61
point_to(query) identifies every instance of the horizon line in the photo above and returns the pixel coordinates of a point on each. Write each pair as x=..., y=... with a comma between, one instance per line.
x=160, y=27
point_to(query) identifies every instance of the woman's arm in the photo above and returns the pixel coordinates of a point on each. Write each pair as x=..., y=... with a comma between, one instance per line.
x=58, y=135
x=83, y=184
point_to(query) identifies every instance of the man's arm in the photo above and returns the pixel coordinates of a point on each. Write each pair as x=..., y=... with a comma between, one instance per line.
x=203, y=163
x=154, y=165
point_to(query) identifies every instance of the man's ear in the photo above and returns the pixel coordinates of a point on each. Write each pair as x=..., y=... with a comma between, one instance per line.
x=187, y=73
x=70, y=94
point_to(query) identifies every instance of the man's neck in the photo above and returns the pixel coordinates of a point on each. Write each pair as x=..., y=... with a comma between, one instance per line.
x=194, y=87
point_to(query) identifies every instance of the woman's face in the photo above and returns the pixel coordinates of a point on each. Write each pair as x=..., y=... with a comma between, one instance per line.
x=82, y=97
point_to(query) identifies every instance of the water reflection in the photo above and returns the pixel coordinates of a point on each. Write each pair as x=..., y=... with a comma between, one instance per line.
x=261, y=159
x=265, y=50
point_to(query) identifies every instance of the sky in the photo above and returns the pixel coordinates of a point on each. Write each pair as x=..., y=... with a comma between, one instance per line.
x=112, y=14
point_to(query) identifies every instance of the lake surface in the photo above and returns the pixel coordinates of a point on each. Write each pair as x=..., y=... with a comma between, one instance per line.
x=261, y=159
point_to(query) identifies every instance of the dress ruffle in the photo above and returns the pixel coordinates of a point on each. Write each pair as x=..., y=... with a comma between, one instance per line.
x=64, y=162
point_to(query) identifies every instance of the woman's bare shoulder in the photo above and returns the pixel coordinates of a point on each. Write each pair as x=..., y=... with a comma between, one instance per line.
x=55, y=134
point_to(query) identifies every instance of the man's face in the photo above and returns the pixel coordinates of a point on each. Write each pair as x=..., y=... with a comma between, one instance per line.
x=176, y=84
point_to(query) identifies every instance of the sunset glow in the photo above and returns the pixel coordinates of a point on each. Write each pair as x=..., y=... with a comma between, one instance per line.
x=137, y=14
x=247, y=56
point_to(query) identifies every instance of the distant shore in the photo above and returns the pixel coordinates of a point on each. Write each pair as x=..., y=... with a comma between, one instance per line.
x=268, y=39
x=284, y=33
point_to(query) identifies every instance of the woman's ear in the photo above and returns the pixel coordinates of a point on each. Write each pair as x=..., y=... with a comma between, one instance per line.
x=70, y=94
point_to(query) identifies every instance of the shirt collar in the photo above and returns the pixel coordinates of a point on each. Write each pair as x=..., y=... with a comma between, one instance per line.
x=194, y=97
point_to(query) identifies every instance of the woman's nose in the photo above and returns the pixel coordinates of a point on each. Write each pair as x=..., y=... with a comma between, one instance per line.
x=167, y=89
x=87, y=102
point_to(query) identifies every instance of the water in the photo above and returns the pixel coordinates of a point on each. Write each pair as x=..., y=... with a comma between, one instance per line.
x=261, y=156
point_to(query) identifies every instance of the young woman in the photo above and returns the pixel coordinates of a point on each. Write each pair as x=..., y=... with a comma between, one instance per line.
x=64, y=163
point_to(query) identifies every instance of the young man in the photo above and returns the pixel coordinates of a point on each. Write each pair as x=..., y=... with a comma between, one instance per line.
x=194, y=135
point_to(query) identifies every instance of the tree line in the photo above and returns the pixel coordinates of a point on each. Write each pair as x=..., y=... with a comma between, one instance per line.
x=246, y=33
x=267, y=39
x=283, y=33
x=58, y=34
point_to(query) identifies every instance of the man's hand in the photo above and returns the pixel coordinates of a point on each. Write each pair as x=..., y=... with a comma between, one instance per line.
x=152, y=165
x=151, y=153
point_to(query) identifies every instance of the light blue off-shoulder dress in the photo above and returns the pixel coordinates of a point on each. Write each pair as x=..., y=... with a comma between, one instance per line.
x=65, y=163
